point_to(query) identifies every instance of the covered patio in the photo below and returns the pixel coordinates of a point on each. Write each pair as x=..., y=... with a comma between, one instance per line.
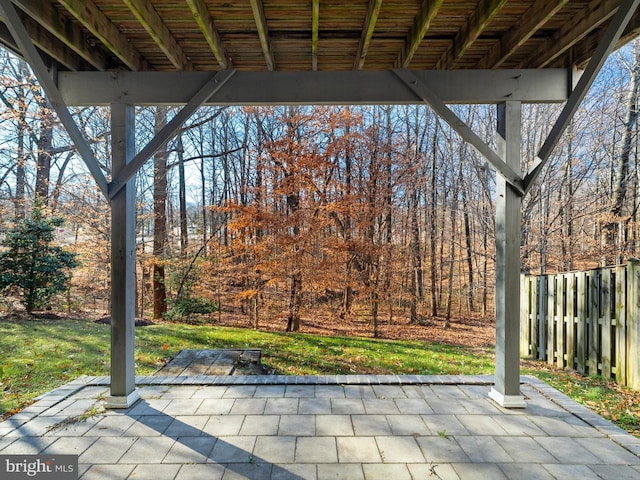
x=325, y=427
x=200, y=52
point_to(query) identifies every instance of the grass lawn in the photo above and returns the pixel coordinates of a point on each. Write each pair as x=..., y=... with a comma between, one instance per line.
x=39, y=355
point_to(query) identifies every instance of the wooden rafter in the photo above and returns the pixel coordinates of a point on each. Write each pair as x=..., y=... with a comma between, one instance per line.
x=591, y=17
x=367, y=33
x=533, y=20
x=263, y=32
x=421, y=24
x=205, y=22
x=46, y=42
x=179, y=35
x=153, y=24
x=469, y=33
x=64, y=30
x=315, y=27
x=581, y=53
x=90, y=16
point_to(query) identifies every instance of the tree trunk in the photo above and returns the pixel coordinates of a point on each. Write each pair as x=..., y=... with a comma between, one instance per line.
x=203, y=198
x=389, y=215
x=295, y=299
x=416, y=259
x=566, y=203
x=452, y=245
x=21, y=175
x=45, y=144
x=347, y=293
x=159, y=220
x=468, y=241
x=182, y=194
x=433, y=232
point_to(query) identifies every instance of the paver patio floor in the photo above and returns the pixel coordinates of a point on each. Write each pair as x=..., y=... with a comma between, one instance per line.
x=333, y=427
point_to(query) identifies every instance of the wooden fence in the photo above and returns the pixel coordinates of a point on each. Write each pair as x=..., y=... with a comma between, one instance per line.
x=588, y=321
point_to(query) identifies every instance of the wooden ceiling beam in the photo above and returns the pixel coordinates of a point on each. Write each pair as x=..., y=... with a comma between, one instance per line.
x=315, y=27
x=367, y=33
x=469, y=33
x=590, y=18
x=51, y=45
x=45, y=42
x=263, y=32
x=211, y=35
x=156, y=28
x=421, y=24
x=44, y=13
x=90, y=16
x=533, y=20
x=582, y=52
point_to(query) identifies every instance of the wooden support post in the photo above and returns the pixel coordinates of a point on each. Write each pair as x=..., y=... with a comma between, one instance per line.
x=123, y=258
x=506, y=391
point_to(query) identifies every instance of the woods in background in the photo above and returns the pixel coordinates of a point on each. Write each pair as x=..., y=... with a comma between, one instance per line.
x=376, y=211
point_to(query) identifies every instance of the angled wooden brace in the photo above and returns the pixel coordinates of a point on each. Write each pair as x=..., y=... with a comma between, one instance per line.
x=606, y=46
x=210, y=87
x=21, y=37
x=455, y=122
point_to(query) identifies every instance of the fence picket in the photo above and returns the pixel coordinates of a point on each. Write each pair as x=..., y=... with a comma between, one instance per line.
x=525, y=317
x=593, y=323
x=633, y=323
x=605, y=333
x=533, y=331
x=621, y=326
x=582, y=322
x=570, y=318
x=560, y=314
x=551, y=319
x=542, y=317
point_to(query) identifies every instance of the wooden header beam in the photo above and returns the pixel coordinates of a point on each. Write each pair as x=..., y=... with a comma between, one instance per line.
x=316, y=88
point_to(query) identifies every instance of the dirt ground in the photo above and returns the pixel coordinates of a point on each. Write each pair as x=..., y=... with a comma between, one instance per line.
x=474, y=332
